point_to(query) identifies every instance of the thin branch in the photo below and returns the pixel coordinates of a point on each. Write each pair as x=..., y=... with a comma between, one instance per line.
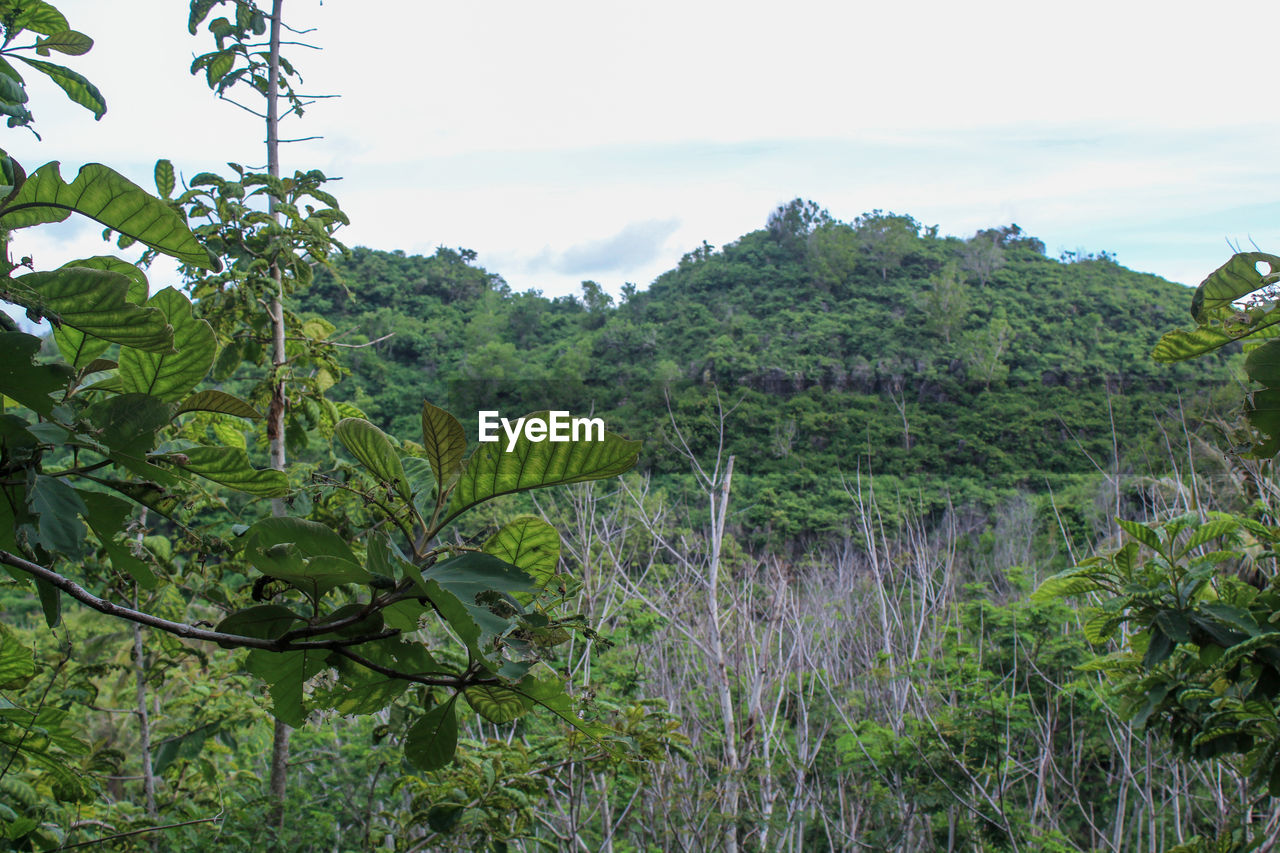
x=216, y=817
x=180, y=629
x=236, y=103
x=333, y=343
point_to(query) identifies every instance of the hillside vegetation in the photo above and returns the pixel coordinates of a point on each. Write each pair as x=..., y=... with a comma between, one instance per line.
x=955, y=370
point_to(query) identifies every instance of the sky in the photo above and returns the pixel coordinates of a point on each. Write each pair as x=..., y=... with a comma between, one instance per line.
x=568, y=140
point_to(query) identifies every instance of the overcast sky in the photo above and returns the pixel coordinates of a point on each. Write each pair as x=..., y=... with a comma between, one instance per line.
x=572, y=140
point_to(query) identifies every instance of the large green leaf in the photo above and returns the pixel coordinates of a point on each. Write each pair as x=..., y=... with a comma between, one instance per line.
x=95, y=301
x=230, y=467
x=264, y=621
x=530, y=544
x=496, y=704
x=111, y=199
x=79, y=348
x=39, y=17
x=433, y=739
x=1263, y=364
x=306, y=554
x=127, y=423
x=77, y=86
x=69, y=42
x=29, y=384
x=373, y=448
x=221, y=402
x=106, y=518
x=493, y=470
x=1263, y=412
x=59, y=508
x=1231, y=282
x=285, y=674
x=312, y=539
x=445, y=442
x=472, y=574
x=170, y=376
x=16, y=663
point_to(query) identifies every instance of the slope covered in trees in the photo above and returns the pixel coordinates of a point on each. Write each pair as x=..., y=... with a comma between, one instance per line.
x=958, y=369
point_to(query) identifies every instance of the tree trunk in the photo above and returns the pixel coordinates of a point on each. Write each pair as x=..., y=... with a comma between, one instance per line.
x=275, y=412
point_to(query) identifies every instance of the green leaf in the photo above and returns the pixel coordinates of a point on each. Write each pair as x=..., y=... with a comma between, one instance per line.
x=459, y=618
x=111, y=199
x=496, y=704
x=1174, y=624
x=39, y=17
x=285, y=674
x=165, y=181
x=70, y=42
x=230, y=466
x=1141, y=532
x=77, y=87
x=471, y=574
x=16, y=664
x=1263, y=411
x=265, y=622
x=78, y=348
x=220, y=402
x=549, y=693
x=445, y=442
x=171, y=376
x=1209, y=531
x=1235, y=279
x=29, y=384
x=306, y=554
x=493, y=470
x=312, y=539
x=433, y=739
x=530, y=544
x=127, y=423
x=96, y=302
x=59, y=509
x=1263, y=364
x=106, y=518
x=50, y=602
x=186, y=745
x=374, y=450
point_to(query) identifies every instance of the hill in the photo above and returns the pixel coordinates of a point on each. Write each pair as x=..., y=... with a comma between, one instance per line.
x=953, y=370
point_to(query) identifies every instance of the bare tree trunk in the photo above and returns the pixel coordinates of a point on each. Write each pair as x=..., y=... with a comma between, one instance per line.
x=724, y=687
x=275, y=412
x=144, y=719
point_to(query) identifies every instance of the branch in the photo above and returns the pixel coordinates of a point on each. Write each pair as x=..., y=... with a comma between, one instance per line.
x=216, y=817
x=180, y=629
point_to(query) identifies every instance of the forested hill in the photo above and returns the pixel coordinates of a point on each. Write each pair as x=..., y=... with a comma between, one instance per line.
x=954, y=369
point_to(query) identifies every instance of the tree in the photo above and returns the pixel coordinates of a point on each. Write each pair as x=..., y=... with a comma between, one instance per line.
x=983, y=254
x=886, y=238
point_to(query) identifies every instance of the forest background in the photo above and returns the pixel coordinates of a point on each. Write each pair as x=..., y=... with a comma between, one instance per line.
x=804, y=620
